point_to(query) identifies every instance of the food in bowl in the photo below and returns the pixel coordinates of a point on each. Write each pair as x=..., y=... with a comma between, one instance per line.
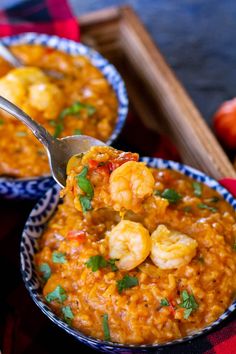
x=81, y=102
x=137, y=255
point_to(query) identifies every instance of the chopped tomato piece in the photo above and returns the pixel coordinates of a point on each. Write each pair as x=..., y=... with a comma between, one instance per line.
x=125, y=157
x=93, y=164
x=77, y=235
x=49, y=50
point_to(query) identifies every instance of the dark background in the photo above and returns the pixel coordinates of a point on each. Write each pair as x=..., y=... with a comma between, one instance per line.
x=197, y=38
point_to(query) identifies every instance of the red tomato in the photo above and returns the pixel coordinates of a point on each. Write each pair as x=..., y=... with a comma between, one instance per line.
x=224, y=122
x=125, y=157
x=77, y=235
x=93, y=164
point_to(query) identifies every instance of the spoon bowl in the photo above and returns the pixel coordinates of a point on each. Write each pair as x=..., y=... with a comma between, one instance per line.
x=59, y=151
x=63, y=149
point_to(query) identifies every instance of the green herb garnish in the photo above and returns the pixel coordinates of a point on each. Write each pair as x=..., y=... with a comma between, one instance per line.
x=126, y=282
x=171, y=195
x=58, y=295
x=1, y=121
x=84, y=184
x=205, y=206
x=85, y=203
x=96, y=262
x=234, y=246
x=74, y=109
x=21, y=134
x=197, y=189
x=164, y=302
x=106, y=329
x=67, y=314
x=77, y=132
x=188, y=302
x=58, y=257
x=45, y=269
x=52, y=122
x=111, y=262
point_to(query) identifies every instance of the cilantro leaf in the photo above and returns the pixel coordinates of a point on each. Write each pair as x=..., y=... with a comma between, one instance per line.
x=106, y=329
x=205, y=206
x=126, y=282
x=1, y=121
x=164, y=302
x=96, y=262
x=58, y=130
x=234, y=246
x=76, y=108
x=58, y=294
x=111, y=262
x=171, y=195
x=67, y=314
x=52, y=122
x=84, y=184
x=58, y=257
x=188, y=302
x=197, y=189
x=187, y=313
x=85, y=203
x=45, y=269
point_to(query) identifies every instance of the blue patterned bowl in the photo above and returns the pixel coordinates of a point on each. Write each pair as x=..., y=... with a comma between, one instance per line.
x=33, y=230
x=32, y=188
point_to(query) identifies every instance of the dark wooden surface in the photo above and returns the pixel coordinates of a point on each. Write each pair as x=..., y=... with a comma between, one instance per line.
x=197, y=38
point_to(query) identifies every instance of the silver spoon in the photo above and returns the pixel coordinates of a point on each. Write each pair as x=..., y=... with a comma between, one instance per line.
x=59, y=150
x=6, y=54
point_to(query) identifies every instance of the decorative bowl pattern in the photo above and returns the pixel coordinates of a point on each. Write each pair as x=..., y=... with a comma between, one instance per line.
x=32, y=188
x=32, y=232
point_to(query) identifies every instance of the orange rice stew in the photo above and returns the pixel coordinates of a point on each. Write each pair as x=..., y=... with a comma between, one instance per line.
x=82, y=101
x=135, y=254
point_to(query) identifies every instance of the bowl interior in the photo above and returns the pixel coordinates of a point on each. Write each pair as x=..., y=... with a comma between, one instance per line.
x=14, y=188
x=33, y=230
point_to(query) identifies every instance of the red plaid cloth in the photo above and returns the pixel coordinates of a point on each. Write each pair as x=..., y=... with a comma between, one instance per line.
x=42, y=16
x=23, y=328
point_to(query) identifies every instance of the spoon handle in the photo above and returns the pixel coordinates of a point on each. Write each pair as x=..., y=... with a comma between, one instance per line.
x=37, y=129
x=8, y=56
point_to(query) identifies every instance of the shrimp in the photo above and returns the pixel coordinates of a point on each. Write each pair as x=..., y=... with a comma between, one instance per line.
x=46, y=97
x=27, y=76
x=171, y=249
x=130, y=243
x=13, y=91
x=130, y=184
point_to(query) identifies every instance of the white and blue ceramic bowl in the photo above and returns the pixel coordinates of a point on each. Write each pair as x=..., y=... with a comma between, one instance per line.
x=33, y=188
x=33, y=230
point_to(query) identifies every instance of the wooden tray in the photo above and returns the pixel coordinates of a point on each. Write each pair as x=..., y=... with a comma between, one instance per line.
x=158, y=97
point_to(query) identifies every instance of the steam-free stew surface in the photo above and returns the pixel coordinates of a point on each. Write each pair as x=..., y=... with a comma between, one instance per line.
x=135, y=254
x=81, y=102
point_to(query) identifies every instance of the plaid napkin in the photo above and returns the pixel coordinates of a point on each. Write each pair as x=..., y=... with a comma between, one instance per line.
x=23, y=328
x=43, y=16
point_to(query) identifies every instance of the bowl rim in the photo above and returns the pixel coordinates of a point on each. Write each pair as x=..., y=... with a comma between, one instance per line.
x=71, y=45
x=154, y=163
